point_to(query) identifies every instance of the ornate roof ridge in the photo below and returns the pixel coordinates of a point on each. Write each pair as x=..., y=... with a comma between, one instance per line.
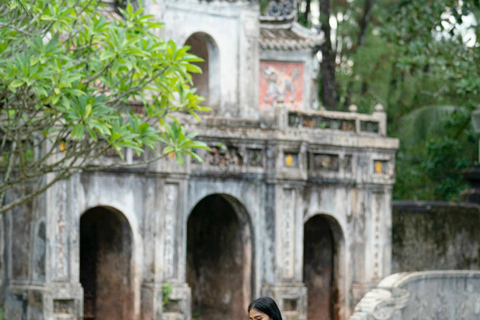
x=283, y=25
x=305, y=32
x=280, y=11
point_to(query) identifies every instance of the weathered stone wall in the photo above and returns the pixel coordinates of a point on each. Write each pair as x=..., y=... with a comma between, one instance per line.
x=23, y=263
x=435, y=236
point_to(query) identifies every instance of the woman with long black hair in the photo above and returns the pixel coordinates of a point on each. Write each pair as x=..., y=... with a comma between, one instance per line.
x=264, y=308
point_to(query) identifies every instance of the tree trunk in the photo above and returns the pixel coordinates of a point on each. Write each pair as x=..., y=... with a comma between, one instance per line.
x=363, y=25
x=306, y=14
x=367, y=10
x=327, y=66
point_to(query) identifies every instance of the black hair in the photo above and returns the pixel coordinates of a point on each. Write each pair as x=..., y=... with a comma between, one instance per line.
x=266, y=305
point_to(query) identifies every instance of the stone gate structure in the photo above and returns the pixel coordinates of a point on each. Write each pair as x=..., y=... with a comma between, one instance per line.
x=293, y=201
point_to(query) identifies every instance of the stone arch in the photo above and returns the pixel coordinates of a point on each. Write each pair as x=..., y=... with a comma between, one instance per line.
x=323, y=267
x=107, y=264
x=220, y=258
x=208, y=82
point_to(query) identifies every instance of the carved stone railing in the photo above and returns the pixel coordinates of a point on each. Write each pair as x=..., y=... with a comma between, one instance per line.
x=352, y=121
x=282, y=117
x=445, y=295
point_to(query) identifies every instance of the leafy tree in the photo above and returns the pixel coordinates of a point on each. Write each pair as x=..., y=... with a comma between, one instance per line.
x=414, y=57
x=75, y=85
x=442, y=63
x=351, y=23
x=436, y=162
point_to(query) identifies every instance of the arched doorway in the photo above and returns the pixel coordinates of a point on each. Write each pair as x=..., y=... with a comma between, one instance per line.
x=105, y=265
x=219, y=259
x=320, y=268
x=207, y=82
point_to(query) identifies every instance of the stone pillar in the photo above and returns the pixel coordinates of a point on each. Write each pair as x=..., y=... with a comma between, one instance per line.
x=65, y=297
x=288, y=289
x=358, y=233
x=152, y=286
x=378, y=257
x=249, y=63
x=375, y=263
x=380, y=114
x=178, y=305
x=165, y=295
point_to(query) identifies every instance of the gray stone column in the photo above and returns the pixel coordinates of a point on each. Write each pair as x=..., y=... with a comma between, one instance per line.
x=164, y=251
x=378, y=252
x=178, y=301
x=374, y=249
x=62, y=296
x=152, y=285
x=288, y=289
x=50, y=287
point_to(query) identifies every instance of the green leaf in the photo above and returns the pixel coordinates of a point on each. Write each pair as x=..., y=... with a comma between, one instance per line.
x=179, y=157
x=88, y=110
x=78, y=131
x=47, y=18
x=195, y=156
x=193, y=68
x=168, y=149
x=92, y=133
x=200, y=145
x=16, y=83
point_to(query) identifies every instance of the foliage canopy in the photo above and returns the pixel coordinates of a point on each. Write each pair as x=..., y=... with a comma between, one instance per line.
x=77, y=82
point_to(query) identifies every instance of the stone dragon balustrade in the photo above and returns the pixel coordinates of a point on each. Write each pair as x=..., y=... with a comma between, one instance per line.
x=446, y=295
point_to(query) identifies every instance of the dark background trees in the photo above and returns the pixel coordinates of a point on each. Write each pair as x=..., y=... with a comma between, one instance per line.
x=418, y=58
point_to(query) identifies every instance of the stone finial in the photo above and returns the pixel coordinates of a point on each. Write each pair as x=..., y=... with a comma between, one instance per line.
x=353, y=108
x=379, y=108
